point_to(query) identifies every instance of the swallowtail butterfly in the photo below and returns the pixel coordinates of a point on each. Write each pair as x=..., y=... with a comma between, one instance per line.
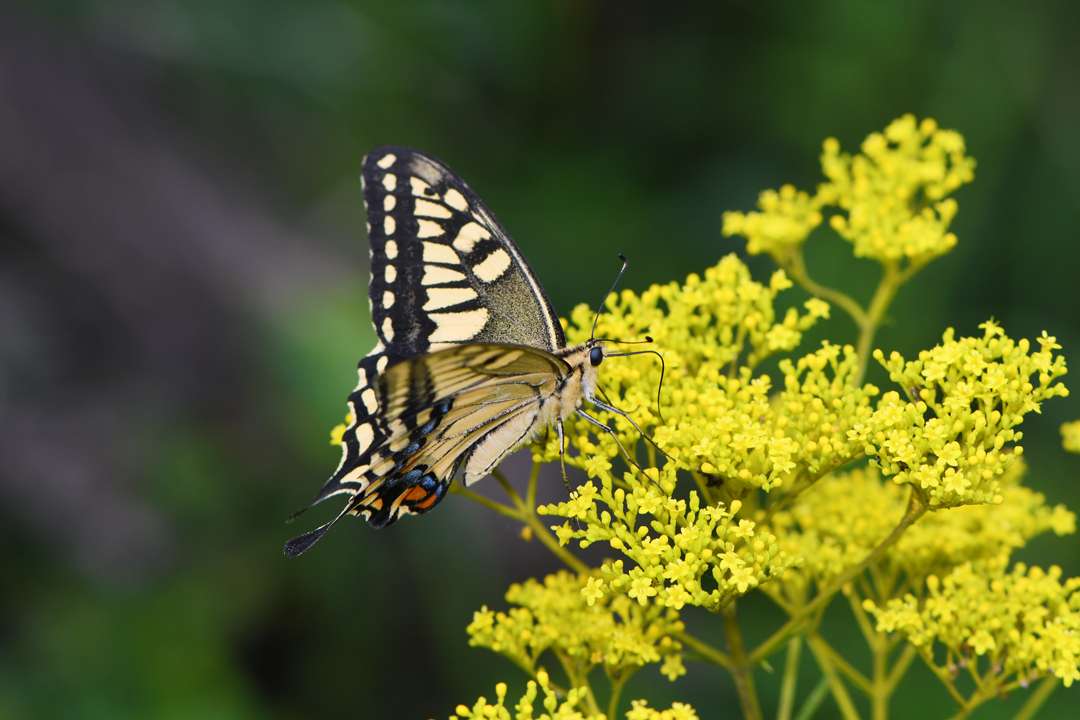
x=471, y=361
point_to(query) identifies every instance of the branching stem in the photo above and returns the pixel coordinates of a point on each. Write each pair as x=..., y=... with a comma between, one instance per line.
x=836, y=684
x=791, y=676
x=916, y=509
x=705, y=650
x=742, y=669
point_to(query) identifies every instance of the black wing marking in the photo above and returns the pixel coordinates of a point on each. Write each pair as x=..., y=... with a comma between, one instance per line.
x=443, y=270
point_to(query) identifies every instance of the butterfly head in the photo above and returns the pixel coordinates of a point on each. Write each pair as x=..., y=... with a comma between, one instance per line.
x=596, y=355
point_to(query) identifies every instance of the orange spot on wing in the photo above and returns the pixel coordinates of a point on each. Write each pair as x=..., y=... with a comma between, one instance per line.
x=414, y=495
x=427, y=503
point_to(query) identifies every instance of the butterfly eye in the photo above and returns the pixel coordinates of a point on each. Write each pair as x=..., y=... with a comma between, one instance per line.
x=596, y=356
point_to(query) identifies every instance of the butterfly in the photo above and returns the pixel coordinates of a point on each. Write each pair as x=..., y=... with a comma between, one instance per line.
x=471, y=362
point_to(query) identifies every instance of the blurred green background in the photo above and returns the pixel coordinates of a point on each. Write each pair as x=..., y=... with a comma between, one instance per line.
x=183, y=279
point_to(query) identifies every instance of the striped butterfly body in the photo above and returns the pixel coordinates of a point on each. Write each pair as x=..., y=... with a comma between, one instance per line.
x=471, y=362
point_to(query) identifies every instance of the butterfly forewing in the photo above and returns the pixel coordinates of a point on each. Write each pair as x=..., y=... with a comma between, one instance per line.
x=443, y=270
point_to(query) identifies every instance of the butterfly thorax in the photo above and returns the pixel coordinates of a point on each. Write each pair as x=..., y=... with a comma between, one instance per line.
x=580, y=383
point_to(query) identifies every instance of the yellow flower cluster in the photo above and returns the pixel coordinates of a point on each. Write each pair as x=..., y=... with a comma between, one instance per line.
x=892, y=197
x=678, y=711
x=1026, y=622
x=785, y=219
x=765, y=452
x=559, y=711
x=524, y=708
x=719, y=418
x=842, y=519
x=337, y=433
x=566, y=615
x=688, y=544
x=967, y=396
x=894, y=192
x=1070, y=436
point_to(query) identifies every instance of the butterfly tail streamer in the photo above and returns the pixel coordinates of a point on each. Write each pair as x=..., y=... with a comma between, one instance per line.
x=301, y=544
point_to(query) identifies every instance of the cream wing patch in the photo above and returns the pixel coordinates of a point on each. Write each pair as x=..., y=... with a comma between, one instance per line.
x=469, y=235
x=429, y=228
x=446, y=297
x=439, y=253
x=456, y=200
x=436, y=275
x=426, y=208
x=458, y=327
x=364, y=436
x=493, y=267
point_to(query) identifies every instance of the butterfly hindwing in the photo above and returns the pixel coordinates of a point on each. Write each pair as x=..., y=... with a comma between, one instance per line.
x=438, y=409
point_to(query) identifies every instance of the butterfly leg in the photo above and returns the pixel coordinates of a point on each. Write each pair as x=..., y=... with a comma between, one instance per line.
x=615, y=437
x=562, y=453
x=620, y=413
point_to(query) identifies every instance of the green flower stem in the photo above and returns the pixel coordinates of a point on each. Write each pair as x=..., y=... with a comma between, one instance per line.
x=915, y=510
x=579, y=678
x=1038, y=697
x=867, y=320
x=795, y=267
x=813, y=700
x=891, y=280
x=742, y=669
x=836, y=684
x=790, y=681
x=944, y=676
x=510, y=512
x=881, y=688
x=617, y=684
x=508, y=488
x=527, y=514
x=863, y=621
x=706, y=651
x=901, y=667
x=530, y=493
x=857, y=679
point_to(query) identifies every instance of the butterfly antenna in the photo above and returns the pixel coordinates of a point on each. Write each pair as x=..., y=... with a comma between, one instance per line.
x=658, y=387
x=604, y=301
